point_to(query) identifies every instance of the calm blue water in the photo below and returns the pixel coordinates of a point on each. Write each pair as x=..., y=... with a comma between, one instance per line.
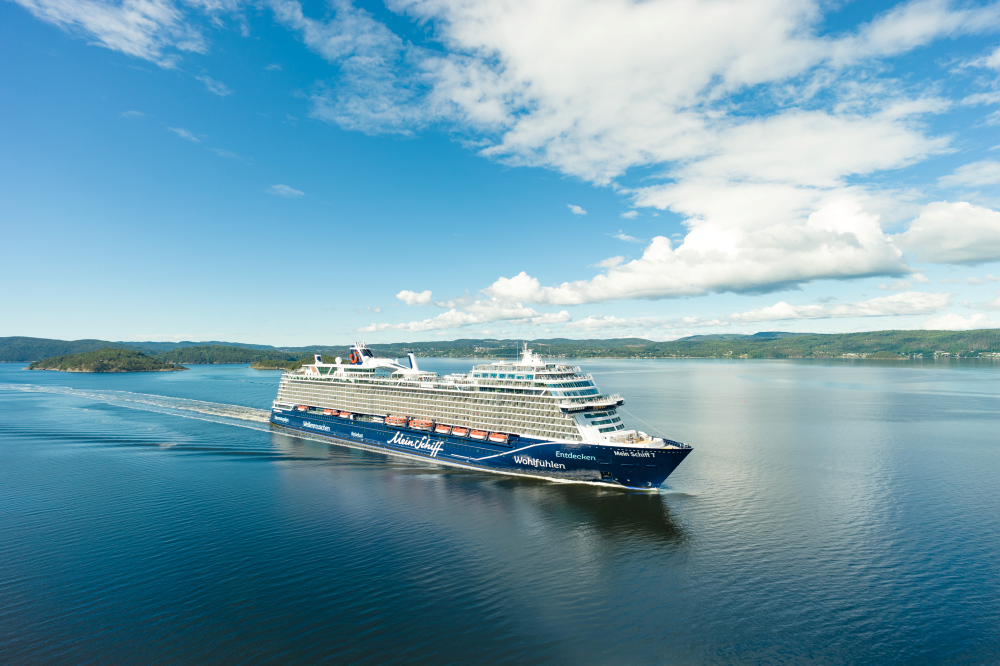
x=831, y=513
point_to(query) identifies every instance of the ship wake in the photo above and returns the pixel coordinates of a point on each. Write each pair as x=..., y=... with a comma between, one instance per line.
x=217, y=412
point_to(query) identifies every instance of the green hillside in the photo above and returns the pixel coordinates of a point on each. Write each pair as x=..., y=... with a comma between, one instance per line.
x=872, y=344
x=107, y=359
x=225, y=354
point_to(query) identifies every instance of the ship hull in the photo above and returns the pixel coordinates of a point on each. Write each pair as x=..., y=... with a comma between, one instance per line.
x=631, y=467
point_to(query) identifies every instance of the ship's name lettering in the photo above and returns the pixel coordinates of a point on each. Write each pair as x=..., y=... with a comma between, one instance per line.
x=422, y=444
x=636, y=454
x=315, y=426
x=577, y=456
x=281, y=418
x=357, y=434
x=535, y=462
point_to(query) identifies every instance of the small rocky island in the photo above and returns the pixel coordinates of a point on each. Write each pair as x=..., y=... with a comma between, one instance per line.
x=107, y=359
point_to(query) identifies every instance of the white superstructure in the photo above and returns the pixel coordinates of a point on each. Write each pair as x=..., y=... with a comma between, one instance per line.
x=528, y=397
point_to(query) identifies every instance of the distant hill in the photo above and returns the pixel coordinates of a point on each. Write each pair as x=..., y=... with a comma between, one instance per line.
x=225, y=354
x=34, y=349
x=767, y=344
x=107, y=359
x=171, y=346
x=764, y=335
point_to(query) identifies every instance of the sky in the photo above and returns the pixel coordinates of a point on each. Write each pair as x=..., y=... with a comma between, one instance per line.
x=294, y=173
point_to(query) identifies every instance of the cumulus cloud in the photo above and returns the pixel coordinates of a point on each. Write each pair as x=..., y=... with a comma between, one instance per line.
x=906, y=303
x=284, y=191
x=758, y=127
x=187, y=135
x=954, y=322
x=837, y=241
x=478, y=312
x=414, y=298
x=954, y=233
x=610, y=262
x=909, y=303
x=630, y=215
x=576, y=210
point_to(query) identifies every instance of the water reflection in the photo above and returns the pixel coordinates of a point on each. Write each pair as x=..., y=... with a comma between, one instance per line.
x=609, y=514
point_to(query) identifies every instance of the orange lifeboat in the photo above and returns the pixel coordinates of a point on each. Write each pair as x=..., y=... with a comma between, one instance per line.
x=329, y=412
x=498, y=437
x=421, y=425
x=345, y=415
x=441, y=429
x=460, y=432
x=396, y=420
x=301, y=408
x=478, y=434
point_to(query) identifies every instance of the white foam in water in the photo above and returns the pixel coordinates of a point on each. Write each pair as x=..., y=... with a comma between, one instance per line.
x=157, y=403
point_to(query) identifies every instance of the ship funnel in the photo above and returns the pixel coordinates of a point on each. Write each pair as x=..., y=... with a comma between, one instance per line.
x=413, y=361
x=319, y=359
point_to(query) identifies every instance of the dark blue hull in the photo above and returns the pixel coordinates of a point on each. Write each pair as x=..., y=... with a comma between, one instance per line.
x=632, y=467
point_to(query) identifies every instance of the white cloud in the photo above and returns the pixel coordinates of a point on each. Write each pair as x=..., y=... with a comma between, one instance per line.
x=837, y=241
x=228, y=154
x=983, y=280
x=909, y=303
x=372, y=93
x=273, y=67
x=906, y=303
x=215, y=87
x=776, y=192
x=976, y=174
x=284, y=191
x=576, y=210
x=630, y=215
x=413, y=298
x=610, y=262
x=148, y=29
x=622, y=236
x=898, y=285
x=132, y=115
x=954, y=322
x=184, y=134
x=478, y=312
x=954, y=233
x=992, y=61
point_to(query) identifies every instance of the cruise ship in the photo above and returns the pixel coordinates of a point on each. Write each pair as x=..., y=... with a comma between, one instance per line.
x=527, y=417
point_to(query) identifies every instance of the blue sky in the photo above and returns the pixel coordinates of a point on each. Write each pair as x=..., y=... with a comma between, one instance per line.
x=290, y=173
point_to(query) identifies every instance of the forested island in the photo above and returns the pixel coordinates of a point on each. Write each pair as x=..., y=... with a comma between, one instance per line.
x=107, y=359
x=881, y=345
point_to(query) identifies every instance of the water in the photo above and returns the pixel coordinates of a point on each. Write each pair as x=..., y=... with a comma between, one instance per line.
x=831, y=512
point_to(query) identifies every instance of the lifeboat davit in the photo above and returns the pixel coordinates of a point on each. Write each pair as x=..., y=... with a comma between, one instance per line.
x=460, y=432
x=498, y=437
x=478, y=434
